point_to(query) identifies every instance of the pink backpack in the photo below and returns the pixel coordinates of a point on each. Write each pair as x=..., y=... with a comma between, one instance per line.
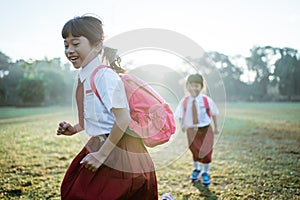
x=151, y=118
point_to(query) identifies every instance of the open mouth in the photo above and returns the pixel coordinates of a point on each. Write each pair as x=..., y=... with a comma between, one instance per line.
x=73, y=58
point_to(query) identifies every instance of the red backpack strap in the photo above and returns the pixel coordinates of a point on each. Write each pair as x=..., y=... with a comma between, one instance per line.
x=184, y=107
x=92, y=82
x=206, y=105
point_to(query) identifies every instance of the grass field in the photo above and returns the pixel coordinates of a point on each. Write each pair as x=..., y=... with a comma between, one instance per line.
x=257, y=155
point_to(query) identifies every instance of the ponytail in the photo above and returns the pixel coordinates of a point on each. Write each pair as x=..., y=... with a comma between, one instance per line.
x=114, y=60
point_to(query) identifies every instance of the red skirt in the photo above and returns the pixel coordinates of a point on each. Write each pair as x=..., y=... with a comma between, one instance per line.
x=201, y=143
x=128, y=173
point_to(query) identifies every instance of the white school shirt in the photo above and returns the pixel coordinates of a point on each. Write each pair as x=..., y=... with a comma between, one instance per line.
x=98, y=118
x=203, y=118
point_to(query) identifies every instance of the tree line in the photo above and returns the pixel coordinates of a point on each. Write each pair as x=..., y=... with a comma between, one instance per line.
x=276, y=77
x=275, y=71
x=35, y=82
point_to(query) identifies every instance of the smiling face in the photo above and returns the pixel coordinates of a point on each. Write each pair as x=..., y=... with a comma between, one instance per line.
x=83, y=38
x=194, y=84
x=79, y=51
x=194, y=88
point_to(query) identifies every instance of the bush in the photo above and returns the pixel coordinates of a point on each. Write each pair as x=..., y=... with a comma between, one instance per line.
x=31, y=91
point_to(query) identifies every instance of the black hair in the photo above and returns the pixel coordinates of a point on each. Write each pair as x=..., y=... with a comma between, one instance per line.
x=195, y=78
x=91, y=28
x=87, y=26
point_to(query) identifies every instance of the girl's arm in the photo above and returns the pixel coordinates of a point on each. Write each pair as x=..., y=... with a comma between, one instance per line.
x=93, y=160
x=216, y=129
x=214, y=111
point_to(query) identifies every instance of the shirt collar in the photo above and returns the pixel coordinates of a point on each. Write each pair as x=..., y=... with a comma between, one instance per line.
x=197, y=98
x=87, y=70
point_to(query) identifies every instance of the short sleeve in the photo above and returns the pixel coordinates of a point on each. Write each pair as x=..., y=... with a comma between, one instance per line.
x=111, y=89
x=212, y=106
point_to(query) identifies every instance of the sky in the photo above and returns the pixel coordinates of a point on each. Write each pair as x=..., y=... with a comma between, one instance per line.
x=31, y=29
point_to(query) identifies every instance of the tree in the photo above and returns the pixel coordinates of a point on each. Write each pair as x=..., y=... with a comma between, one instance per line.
x=55, y=87
x=55, y=80
x=31, y=91
x=12, y=81
x=58, y=80
x=231, y=75
x=260, y=62
x=4, y=64
x=5, y=81
x=287, y=72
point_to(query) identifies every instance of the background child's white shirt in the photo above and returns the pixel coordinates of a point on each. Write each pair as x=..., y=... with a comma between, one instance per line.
x=203, y=118
x=98, y=118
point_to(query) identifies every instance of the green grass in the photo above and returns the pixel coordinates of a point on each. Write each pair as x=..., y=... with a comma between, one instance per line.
x=256, y=156
x=13, y=112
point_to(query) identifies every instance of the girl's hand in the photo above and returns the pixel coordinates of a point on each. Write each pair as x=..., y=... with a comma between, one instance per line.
x=91, y=162
x=65, y=128
x=216, y=131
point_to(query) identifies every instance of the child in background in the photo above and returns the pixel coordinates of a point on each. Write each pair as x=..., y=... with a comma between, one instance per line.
x=195, y=118
x=113, y=164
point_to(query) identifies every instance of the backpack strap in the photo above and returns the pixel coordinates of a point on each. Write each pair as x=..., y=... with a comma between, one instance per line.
x=184, y=107
x=206, y=105
x=92, y=82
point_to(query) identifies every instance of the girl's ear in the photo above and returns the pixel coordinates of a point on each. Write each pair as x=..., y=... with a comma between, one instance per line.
x=98, y=47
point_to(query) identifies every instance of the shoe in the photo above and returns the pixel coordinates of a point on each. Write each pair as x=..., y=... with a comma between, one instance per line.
x=205, y=179
x=195, y=175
